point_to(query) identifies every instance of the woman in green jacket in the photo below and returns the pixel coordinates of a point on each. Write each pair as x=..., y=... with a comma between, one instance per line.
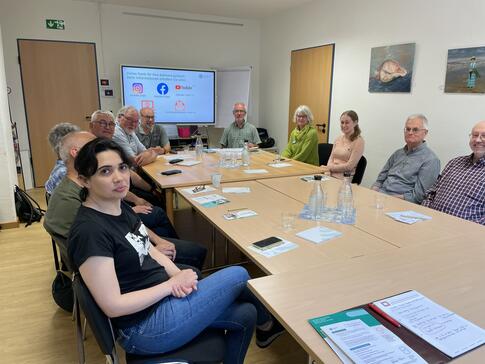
x=303, y=143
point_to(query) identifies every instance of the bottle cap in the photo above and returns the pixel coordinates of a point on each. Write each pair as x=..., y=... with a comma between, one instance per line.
x=317, y=177
x=347, y=174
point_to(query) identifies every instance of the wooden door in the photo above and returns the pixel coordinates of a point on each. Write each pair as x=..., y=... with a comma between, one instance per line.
x=60, y=84
x=311, y=84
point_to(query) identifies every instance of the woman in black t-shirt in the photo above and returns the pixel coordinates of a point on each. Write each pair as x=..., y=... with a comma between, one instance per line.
x=155, y=307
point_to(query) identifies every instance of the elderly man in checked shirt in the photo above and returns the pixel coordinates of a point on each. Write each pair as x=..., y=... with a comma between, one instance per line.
x=460, y=189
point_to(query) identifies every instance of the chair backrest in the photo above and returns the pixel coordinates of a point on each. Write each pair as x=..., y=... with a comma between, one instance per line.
x=263, y=133
x=324, y=151
x=98, y=321
x=359, y=170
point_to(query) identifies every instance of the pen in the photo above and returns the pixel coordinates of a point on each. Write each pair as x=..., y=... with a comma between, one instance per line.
x=384, y=315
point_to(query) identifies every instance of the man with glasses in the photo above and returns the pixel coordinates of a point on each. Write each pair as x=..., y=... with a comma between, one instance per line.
x=152, y=136
x=460, y=189
x=240, y=130
x=102, y=124
x=411, y=170
x=125, y=136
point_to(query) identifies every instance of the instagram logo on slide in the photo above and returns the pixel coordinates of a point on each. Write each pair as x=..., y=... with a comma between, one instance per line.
x=137, y=88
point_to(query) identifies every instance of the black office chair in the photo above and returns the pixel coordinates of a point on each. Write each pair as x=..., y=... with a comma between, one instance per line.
x=324, y=151
x=207, y=348
x=359, y=170
x=57, y=264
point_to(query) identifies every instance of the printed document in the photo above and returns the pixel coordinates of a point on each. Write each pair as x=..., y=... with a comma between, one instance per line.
x=445, y=330
x=363, y=339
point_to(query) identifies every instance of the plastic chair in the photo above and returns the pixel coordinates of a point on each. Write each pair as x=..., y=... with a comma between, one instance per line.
x=207, y=348
x=324, y=151
x=359, y=170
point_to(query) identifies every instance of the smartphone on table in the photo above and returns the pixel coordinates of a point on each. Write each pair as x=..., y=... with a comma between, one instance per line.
x=268, y=243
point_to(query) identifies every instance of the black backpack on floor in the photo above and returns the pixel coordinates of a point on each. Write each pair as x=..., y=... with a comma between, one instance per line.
x=28, y=210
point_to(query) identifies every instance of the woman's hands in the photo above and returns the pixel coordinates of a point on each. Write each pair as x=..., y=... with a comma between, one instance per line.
x=183, y=283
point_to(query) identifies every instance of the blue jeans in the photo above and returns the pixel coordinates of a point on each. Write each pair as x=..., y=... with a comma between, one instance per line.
x=222, y=301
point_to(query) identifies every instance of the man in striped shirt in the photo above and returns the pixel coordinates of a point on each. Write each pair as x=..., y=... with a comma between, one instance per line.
x=460, y=189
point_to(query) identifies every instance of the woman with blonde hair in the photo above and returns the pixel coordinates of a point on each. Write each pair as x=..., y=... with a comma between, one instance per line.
x=348, y=148
x=303, y=143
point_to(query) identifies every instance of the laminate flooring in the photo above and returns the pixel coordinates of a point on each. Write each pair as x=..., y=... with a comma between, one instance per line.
x=33, y=330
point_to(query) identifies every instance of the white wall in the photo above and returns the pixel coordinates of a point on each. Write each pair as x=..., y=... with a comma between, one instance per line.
x=357, y=26
x=7, y=156
x=129, y=39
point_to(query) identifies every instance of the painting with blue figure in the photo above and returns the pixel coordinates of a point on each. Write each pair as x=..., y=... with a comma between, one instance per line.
x=465, y=70
x=391, y=68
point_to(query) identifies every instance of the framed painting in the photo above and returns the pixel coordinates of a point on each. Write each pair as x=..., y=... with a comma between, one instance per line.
x=465, y=70
x=391, y=68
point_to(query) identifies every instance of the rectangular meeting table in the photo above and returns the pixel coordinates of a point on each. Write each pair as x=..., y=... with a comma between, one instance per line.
x=375, y=221
x=269, y=204
x=200, y=174
x=448, y=272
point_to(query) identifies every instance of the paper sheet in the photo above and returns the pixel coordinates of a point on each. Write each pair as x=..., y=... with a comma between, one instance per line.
x=318, y=234
x=277, y=250
x=370, y=344
x=171, y=157
x=236, y=190
x=408, y=217
x=188, y=162
x=445, y=330
x=279, y=165
x=211, y=200
x=193, y=191
x=255, y=171
x=239, y=214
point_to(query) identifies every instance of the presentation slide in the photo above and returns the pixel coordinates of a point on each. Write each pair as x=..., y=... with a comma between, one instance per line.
x=178, y=96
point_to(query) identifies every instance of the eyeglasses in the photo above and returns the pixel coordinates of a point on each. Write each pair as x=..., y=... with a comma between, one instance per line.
x=105, y=123
x=478, y=136
x=239, y=111
x=149, y=117
x=303, y=116
x=130, y=119
x=413, y=130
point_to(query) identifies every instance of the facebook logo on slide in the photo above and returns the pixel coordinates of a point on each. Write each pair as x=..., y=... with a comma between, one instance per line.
x=162, y=88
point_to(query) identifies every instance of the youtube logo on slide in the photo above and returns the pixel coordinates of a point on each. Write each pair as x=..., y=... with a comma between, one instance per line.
x=178, y=87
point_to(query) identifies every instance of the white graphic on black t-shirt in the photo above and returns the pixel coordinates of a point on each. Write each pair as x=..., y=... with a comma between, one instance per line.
x=140, y=242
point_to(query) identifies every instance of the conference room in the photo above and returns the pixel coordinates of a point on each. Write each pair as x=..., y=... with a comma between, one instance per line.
x=261, y=42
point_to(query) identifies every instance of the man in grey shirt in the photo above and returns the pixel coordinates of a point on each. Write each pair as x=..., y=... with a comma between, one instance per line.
x=152, y=135
x=411, y=170
x=240, y=130
x=124, y=135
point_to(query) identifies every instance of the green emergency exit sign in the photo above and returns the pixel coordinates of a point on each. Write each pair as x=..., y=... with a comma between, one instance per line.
x=56, y=24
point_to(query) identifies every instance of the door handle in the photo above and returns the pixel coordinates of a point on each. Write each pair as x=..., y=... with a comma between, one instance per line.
x=321, y=127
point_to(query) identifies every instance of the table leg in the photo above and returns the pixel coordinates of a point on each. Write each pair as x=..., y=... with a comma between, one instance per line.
x=169, y=203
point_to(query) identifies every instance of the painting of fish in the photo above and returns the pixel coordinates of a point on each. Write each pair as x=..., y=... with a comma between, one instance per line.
x=391, y=68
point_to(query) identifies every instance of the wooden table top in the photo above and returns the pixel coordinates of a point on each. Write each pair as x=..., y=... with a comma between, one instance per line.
x=201, y=173
x=450, y=274
x=269, y=204
x=374, y=221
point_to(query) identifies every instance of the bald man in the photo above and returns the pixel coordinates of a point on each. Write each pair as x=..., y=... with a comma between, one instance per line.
x=60, y=212
x=240, y=130
x=460, y=189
